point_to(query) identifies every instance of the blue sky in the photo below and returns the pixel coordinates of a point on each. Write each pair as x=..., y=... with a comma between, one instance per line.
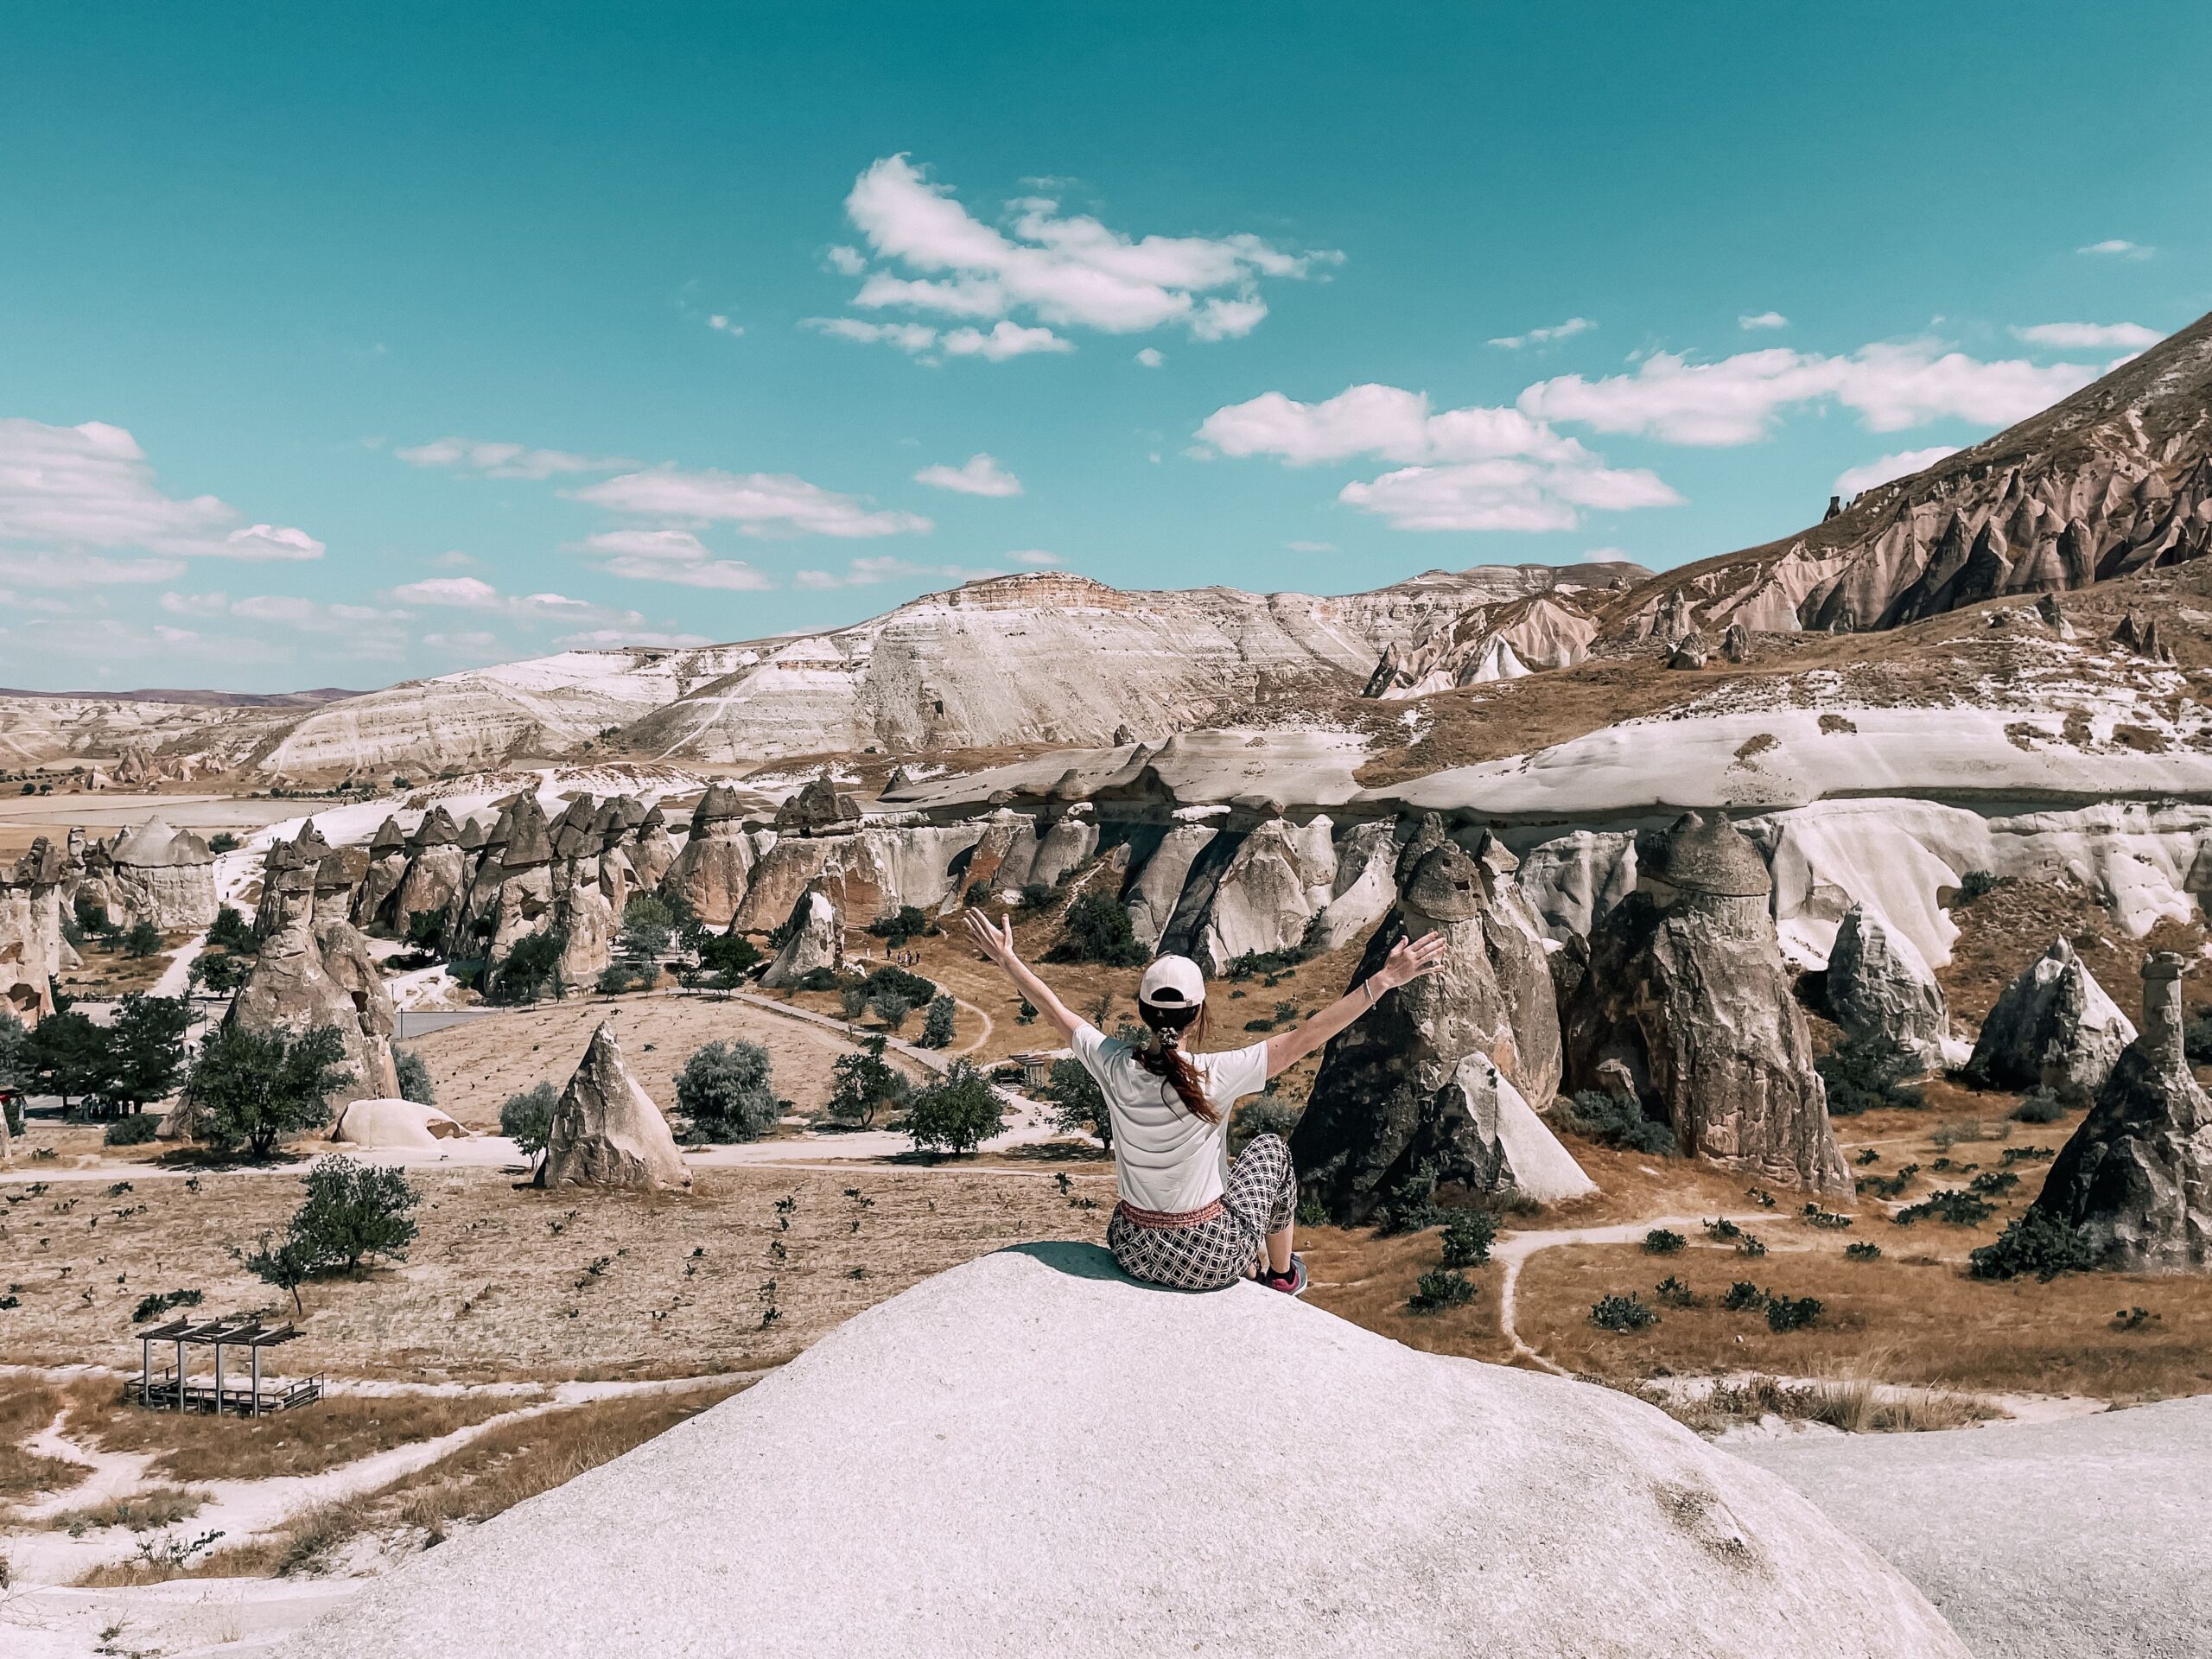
x=339, y=349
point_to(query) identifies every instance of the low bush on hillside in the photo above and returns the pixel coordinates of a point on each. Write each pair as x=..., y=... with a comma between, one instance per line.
x=1622, y=1313
x=1439, y=1288
x=1662, y=1241
x=1863, y=1074
x=1600, y=1117
x=2037, y=1243
x=1953, y=1206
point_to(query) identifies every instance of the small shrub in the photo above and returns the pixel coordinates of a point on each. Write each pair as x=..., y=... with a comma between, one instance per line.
x=231, y=932
x=2029, y=1155
x=1096, y=929
x=909, y=923
x=2041, y=1106
x=825, y=979
x=1035, y=896
x=414, y=1082
x=728, y=956
x=144, y=939
x=1661, y=1241
x=1760, y=1195
x=1439, y=1288
x=1268, y=1114
x=1673, y=1292
x=1889, y=1186
x=1412, y=1205
x=527, y=1118
x=222, y=841
x=2133, y=1319
x=955, y=1113
x=1467, y=1238
x=136, y=1130
x=1742, y=1296
x=2037, y=1242
x=852, y=1000
x=1863, y=1074
x=1791, y=1313
x=425, y=928
x=1750, y=1245
x=153, y=1306
x=1992, y=1183
x=1868, y=1156
x=863, y=1083
x=1975, y=884
x=1622, y=1313
x=1863, y=1251
x=1953, y=1206
x=938, y=1022
x=1816, y=1216
x=620, y=978
x=1611, y=1123
x=1723, y=1231
x=890, y=980
x=1311, y=1212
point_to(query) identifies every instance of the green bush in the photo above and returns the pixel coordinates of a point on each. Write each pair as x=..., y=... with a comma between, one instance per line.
x=1265, y=1114
x=2039, y=1106
x=727, y=1092
x=531, y=969
x=414, y=1082
x=1863, y=1251
x=1412, y=1205
x=2037, y=1242
x=1598, y=1116
x=889, y=980
x=1791, y=1313
x=1866, y=1073
x=217, y=971
x=144, y=939
x=938, y=1022
x=1468, y=1236
x=648, y=925
x=1661, y=1241
x=425, y=928
x=1096, y=929
x=863, y=1083
x=825, y=979
x=728, y=956
x=892, y=1009
x=353, y=1212
x=1622, y=1313
x=152, y=1306
x=1673, y=1292
x=1311, y=1212
x=222, y=841
x=1889, y=1186
x=527, y=1118
x=1079, y=1105
x=909, y=923
x=1742, y=1296
x=253, y=1088
x=136, y=1130
x=1439, y=1288
x=1974, y=884
x=1992, y=1183
x=1954, y=1206
x=231, y=932
x=620, y=978
x=955, y=1113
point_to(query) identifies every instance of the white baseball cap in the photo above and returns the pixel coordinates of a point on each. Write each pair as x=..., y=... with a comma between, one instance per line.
x=1173, y=983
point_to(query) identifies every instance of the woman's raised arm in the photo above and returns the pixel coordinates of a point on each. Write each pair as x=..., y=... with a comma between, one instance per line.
x=1409, y=959
x=996, y=942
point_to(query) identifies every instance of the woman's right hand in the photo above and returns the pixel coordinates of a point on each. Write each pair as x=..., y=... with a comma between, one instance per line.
x=995, y=940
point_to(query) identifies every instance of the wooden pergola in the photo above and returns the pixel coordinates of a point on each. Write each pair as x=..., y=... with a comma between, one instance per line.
x=175, y=1390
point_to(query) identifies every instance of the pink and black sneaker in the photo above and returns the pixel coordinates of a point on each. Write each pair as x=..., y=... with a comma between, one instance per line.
x=1292, y=1283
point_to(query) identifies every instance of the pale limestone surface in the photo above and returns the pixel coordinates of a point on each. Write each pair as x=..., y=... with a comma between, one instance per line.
x=1029, y=1454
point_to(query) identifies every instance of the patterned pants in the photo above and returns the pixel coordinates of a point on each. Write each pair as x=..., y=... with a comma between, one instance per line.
x=1261, y=1198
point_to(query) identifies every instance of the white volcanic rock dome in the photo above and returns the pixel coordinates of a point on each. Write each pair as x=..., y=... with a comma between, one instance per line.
x=1030, y=1454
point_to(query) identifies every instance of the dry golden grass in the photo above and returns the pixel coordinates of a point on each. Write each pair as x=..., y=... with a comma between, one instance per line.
x=142, y=1511
x=305, y=1441
x=25, y=1410
x=2003, y=931
x=1856, y=1405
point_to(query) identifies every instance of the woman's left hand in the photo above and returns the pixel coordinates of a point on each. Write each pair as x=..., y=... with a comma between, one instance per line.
x=1411, y=959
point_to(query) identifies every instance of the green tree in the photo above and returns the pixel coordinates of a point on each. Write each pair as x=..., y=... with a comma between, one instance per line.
x=908, y=923
x=414, y=1082
x=726, y=1091
x=726, y=957
x=530, y=970
x=252, y=1088
x=353, y=1211
x=527, y=1118
x=146, y=1049
x=93, y=917
x=231, y=932
x=222, y=841
x=863, y=1083
x=143, y=940
x=1096, y=929
x=279, y=1260
x=647, y=926
x=1078, y=1103
x=425, y=928
x=214, y=971
x=67, y=1056
x=955, y=1113
x=936, y=1023
x=892, y=1009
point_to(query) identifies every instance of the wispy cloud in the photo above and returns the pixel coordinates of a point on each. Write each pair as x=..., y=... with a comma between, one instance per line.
x=1152, y=356
x=85, y=570
x=1003, y=339
x=505, y=460
x=759, y=503
x=1759, y=320
x=980, y=475
x=1883, y=468
x=2117, y=249
x=1036, y=557
x=873, y=572
x=472, y=594
x=616, y=639
x=2089, y=336
x=1566, y=330
x=677, y=556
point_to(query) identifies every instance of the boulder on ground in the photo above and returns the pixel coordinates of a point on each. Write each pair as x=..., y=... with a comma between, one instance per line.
x=982, y=1458
x=818, y=940
x=1687, y=988
x=607, y=1132
x=1391, y=1095
x=1882, y=993
x=2137, y=1176
x=395, y=1125
x=2053, y=1028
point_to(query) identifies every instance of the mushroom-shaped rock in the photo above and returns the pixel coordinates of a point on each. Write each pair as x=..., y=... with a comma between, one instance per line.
x=164, y=876
x=607, y=1132
x=1883, y=993
x=713, y=872
x=1524, y=1515
x=818, y=810
x=2053, y=1028
x=2137, y=1176
x=31, y=945
x=818, y=940
x=395, y=1125
x=1687, y=988
x=307, y=977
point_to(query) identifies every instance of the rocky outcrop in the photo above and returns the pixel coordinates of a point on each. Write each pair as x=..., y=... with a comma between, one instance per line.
x=607, y=1132
x=1069, y=842
x=1280, y=877
x=31, y=946
x=2136, y=1177
x=653, y=855
x=437, y=871
x=2053, y=1028
x=1000, y=861
x=389, y=857
x=308, y=976
x=818, y=940
x=715, y=869
x=1157, y=892
x=1487, y=643
x=818, y=810
x=1685, y=987
x=1882, y=993
x=288, y=879
x=157, y=874
x=1393, y=1094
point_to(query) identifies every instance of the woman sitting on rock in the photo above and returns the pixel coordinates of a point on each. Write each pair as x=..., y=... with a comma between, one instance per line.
x=1188, y=1218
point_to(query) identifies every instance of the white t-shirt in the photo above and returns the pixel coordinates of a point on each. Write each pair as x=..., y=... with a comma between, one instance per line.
x=1167, y=1157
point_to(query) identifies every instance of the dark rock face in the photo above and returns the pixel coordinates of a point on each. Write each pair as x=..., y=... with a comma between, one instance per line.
x=1390, y=1096
x=2137, y=1176
x=1881, y=991
x=1686, y=989
x=2052, y=1028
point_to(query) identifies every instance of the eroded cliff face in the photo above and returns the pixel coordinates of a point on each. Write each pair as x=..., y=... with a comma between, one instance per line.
x=32, y=949
x=2112, y=481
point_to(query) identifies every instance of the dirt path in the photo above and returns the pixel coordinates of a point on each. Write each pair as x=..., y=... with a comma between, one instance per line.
x=960, y=1002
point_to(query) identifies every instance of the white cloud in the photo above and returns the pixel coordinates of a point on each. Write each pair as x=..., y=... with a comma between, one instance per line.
x=759, y=503
x=90, y=486
x=1067, y=271
x=505, y=460
x=1740, y=398
x=980, y=475
x=1036, y=557
x=85, y=570
x=2117, y=249
x=1152, y=356
x=870, y=572
x=1005, y=340
x=1382, y=421
x=1566, y=330
x=471, y=593
x=906, y=336
x=475, y=643
x=1763, y=320
x=616, y=639
x=723, y=325
x=452, y=559
x=1503, y=495
x=670, y=555
x=1883, y=468
x=1311, y=547
x=2089, y=336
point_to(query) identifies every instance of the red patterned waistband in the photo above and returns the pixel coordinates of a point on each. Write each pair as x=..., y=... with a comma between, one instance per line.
x=1165, y=1220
